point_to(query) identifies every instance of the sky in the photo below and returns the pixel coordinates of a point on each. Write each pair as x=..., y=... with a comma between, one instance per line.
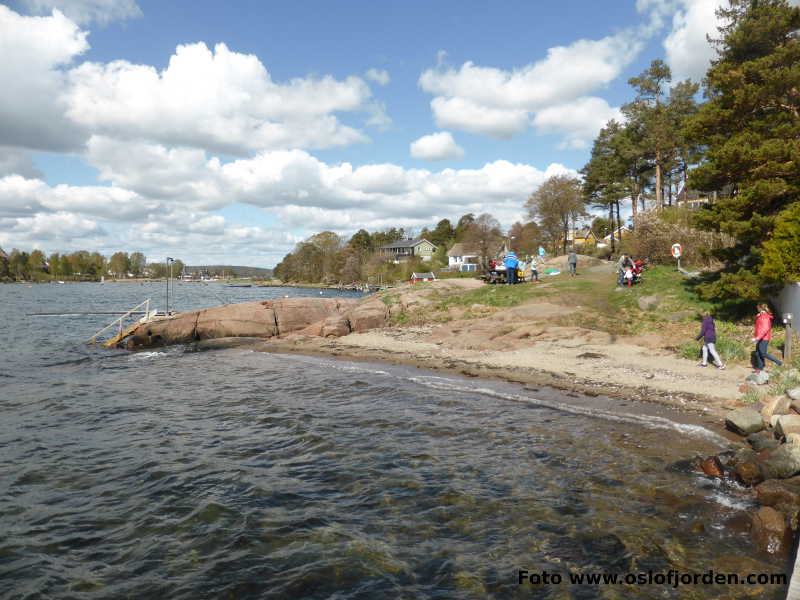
x=225, y=133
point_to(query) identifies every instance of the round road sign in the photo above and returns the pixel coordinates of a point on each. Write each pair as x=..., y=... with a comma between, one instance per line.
x=676, y=250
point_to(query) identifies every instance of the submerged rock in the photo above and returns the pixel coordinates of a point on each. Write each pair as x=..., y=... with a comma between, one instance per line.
x=781, y=495
x=771, y=533
x=712, y=467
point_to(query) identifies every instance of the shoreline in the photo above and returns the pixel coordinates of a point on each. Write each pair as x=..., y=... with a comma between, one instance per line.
x=710, y=409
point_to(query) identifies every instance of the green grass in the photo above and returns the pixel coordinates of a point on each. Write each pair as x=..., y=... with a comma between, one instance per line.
x=490, y=295
x=674, y=289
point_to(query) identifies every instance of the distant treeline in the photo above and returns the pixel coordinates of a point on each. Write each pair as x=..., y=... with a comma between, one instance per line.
x=234, y=271
x=82, y=265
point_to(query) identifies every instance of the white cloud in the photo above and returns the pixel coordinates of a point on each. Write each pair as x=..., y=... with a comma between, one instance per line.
x=466, y=115
x=379, y=76
x=577, y=121
x=87, y=11
x=219, y=100
x=501, y=103
x=688, y=52
x=169, y=200
x=214, y=99
x=49, y=230
x=437, y=146
x=35, y=51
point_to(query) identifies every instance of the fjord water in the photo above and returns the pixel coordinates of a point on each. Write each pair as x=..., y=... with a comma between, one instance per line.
x=237, y=474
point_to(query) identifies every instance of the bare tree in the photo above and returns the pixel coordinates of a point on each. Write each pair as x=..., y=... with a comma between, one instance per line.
x=555, y=206
x=485, y=237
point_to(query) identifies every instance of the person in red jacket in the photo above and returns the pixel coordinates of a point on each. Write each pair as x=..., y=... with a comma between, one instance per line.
x=762, y=337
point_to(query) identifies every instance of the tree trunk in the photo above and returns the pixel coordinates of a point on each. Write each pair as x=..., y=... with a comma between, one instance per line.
x=611, y=218
x=659, y=190
x=634, y=200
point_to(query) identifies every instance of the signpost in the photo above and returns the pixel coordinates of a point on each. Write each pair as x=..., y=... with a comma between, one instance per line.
x=676, y=253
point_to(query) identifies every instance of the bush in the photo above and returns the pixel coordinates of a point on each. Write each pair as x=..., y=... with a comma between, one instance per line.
x=655, y=233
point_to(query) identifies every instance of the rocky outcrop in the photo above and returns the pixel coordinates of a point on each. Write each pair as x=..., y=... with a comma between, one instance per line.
x=265, y=319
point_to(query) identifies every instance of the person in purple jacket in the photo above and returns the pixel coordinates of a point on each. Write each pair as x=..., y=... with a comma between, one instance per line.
x=709, y=334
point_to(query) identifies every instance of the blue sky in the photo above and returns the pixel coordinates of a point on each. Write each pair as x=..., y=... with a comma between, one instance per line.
x=227, y=132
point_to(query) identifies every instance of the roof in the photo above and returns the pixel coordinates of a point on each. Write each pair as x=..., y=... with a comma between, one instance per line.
x=423, y=276
x=460, y=249
x=406, y=244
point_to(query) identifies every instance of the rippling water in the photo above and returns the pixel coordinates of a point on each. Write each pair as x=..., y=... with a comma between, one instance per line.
x=235, y=474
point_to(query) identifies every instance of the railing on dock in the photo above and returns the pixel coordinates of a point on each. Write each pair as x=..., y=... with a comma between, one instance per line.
x=118, y=322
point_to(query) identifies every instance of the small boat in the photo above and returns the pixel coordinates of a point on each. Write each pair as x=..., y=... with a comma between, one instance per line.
x=239, y=285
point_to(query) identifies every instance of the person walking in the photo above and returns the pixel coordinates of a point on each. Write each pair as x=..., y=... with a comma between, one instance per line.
x=572, y=261
x=708, y=333
x=511, y=263
x=762, y=337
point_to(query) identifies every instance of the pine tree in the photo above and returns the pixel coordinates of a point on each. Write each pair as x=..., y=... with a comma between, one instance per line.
x=750, y=127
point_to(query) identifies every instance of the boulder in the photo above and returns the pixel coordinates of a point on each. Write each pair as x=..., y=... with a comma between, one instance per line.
x=367, y=315
x=794, y=394
x=760, y=378
x=782, y=463
x=335, y=326
x=771, y=532
x=774, y=405
x=744, y=421
x=793, y=438
x=762, y=441
x=648, y=302
x=780, y=496
x=786, y=424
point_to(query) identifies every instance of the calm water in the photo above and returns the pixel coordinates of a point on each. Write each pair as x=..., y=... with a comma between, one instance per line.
x=236, y=475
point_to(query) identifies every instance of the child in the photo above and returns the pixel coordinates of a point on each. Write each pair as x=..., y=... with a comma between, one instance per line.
x=762, y=337
x=629, y=276
x=709, y=334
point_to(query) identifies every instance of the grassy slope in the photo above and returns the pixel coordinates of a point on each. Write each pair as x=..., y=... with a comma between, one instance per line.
x=604, y=307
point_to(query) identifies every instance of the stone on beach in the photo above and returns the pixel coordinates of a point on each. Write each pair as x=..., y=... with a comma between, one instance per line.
x=760, y=378
x=786, y=424
x=794, y=394
x=744, y=421
x=774, y=405
x=762, y=440
x=782, y=463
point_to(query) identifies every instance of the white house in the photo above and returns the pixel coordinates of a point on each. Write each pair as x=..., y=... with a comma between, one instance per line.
x=460, y=258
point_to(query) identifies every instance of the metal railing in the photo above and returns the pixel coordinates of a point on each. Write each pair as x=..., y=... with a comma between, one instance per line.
x=146, y=304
